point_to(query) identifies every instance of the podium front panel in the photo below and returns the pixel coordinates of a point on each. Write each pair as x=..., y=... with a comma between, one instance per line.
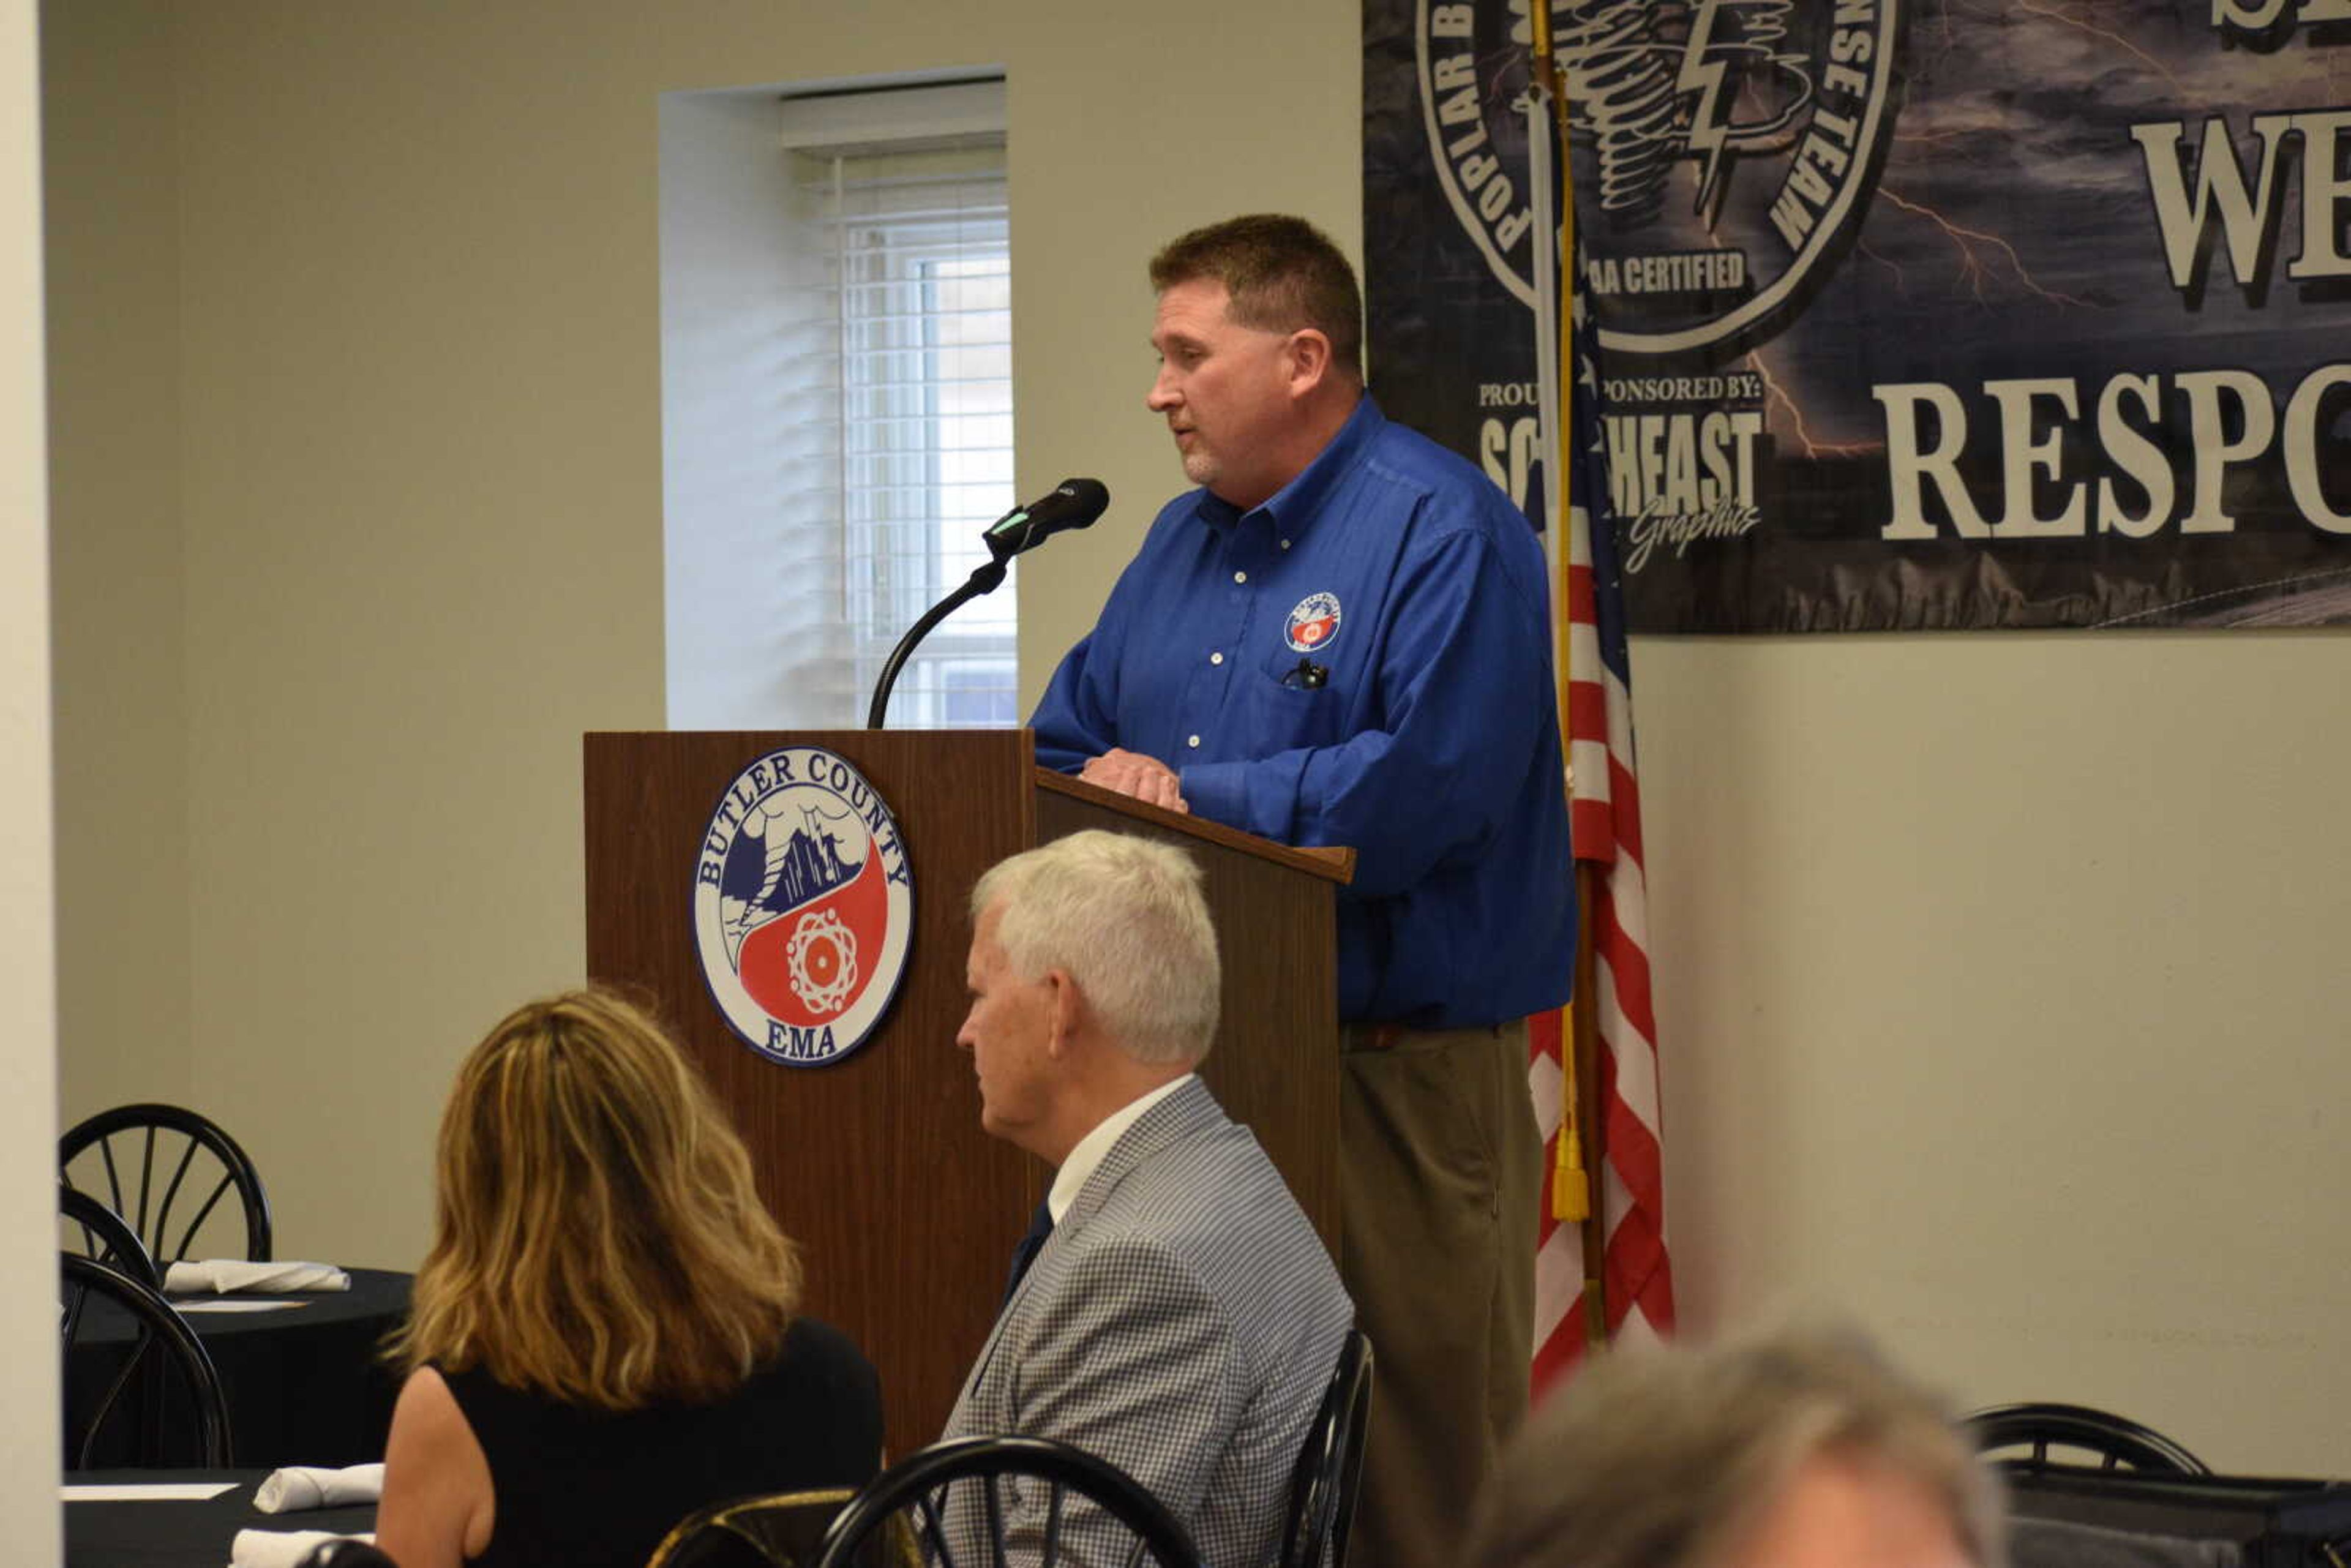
x=904, y=1210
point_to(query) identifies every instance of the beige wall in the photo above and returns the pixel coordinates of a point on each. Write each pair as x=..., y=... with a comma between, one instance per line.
x=29, y=1325
x=2001, y=980
x=1992, y=969
x=123, y=810
x=399, y=469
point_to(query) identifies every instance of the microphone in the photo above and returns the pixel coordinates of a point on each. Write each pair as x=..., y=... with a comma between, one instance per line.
x=1072, y=504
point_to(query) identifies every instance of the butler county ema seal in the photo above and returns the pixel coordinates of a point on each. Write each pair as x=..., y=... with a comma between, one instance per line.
x=803, y=908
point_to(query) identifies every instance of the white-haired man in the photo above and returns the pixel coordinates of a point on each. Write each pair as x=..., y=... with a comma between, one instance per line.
x=1181, y=1317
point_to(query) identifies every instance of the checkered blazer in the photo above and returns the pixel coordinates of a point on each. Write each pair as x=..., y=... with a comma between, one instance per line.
x=1181, y=1322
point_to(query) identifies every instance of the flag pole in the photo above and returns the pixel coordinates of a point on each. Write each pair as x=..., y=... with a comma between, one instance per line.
x=1579, y=1149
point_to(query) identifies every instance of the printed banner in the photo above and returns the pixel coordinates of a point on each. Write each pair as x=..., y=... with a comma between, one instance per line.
x=1912, y=316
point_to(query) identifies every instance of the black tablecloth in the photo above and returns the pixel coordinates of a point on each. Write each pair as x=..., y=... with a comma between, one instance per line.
x=305, y=1384
x=182, y=1534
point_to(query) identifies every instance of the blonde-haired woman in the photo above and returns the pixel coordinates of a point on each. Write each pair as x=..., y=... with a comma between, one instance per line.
x=603, y=1336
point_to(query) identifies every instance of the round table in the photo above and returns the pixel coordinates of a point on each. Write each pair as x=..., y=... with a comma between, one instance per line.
x=175, y=1534
x=306, y=1383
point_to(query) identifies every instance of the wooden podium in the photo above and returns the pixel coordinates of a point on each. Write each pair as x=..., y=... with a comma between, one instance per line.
x=905, y=1210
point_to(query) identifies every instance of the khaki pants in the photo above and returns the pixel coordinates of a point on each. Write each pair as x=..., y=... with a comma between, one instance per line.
x=1440, y=1174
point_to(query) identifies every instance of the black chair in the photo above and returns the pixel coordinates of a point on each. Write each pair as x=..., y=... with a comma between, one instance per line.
x=778, y=1529
x=190, y=1145
x=106, y=1237
x=347, y=1552
x=1324, y=1482
x=2062, y=1516
x=2114, y=1442
x=161, y=1362
x=906, y=1509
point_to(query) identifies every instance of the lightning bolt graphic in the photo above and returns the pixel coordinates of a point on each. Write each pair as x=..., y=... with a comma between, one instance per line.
x=1931, y=138
x=1773, y=392
x=1972, y=266
x=1703, y=77
x=1890, y=264
x=2070, y=19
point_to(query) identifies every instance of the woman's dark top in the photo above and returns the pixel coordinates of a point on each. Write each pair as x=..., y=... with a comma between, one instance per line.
x=585, y=1487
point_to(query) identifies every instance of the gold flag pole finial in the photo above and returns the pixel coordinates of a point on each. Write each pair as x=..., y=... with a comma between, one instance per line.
x=1546, y=63
x=1549, y=75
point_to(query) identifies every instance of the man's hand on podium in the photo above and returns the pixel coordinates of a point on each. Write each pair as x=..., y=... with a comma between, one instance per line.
x=1146, y=779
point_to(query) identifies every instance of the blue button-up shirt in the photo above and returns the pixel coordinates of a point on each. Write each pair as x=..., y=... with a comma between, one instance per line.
x=1426, y=735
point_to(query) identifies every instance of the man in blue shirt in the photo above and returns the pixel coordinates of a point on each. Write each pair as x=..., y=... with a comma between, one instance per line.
x=1342, y=638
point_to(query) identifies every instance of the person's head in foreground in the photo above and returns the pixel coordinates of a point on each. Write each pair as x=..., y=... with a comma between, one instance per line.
x=1799, y=1449
x=597, y=1236
x=1093, y=979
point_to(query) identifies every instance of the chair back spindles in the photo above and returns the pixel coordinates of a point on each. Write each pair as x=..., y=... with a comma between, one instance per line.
x=781, y=1530
x=996, y=1521
x=106, y=1237
x=930, y=1515
x=170, y=1180
x=162, y=1350
x=1053, y=1528
x=2114, y=1442
x=1320, y=1514
x=916, y=1499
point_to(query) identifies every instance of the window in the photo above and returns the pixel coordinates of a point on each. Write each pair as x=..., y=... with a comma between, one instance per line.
x=924, y=270
x=837, y=398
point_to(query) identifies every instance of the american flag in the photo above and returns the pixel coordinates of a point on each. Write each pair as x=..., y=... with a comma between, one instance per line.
x=1636, y=1278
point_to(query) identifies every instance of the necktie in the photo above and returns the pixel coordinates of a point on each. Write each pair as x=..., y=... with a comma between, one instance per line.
x=1040, y=1226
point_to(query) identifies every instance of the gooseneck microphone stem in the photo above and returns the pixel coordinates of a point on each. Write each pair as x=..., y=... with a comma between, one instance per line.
x=1072, y=504
x=987, y=578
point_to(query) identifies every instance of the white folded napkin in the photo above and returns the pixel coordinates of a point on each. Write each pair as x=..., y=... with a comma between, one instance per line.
x=219, y=1276
x=281, y=1548
x=309, y=1486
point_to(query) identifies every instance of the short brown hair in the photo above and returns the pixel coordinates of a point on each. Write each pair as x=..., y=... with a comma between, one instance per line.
x=1662, y=1457
x=1283, y=273
x=597, y=1235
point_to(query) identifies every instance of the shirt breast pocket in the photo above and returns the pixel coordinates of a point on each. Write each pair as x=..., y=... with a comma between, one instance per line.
x=1293, y=701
